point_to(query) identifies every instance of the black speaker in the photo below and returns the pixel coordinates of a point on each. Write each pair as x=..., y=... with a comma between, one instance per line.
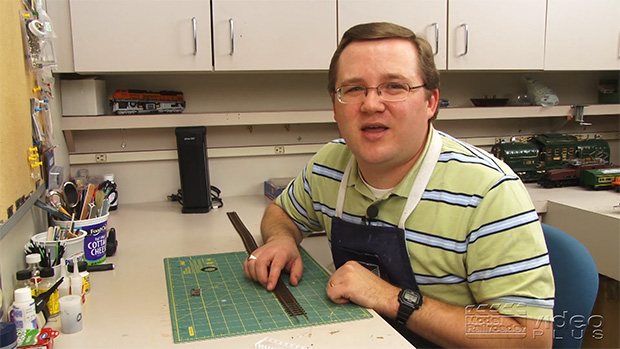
x=194, y=169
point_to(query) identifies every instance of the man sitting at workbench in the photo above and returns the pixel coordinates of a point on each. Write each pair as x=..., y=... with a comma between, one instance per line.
x=426, y=230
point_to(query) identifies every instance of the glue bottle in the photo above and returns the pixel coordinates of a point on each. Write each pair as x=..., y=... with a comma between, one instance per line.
x=77, y=286
x=33, y=261
x=64, y=289
x=82, y=268
x=23, y=312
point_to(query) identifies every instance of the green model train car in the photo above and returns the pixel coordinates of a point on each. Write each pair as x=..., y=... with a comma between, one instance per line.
x=521, y=157
x=599, y=179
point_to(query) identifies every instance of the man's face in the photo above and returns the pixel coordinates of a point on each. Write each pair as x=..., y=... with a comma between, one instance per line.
x=383, y=135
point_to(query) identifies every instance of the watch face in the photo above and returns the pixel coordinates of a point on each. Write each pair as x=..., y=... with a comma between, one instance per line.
x=411, y=296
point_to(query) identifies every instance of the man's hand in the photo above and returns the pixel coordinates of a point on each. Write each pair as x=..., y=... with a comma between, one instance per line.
x=279, y=253
x=352, y=282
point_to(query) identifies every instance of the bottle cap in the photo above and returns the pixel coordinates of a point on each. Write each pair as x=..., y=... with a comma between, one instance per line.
x=82, y=266
x=33, y=258
x=108, y=177
x=8, y=334
x=23, y=295
x=23, y=275
x=47, y=272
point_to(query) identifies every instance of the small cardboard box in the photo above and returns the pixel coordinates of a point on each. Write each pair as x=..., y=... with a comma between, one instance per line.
x=83, y=97
x=275, y=186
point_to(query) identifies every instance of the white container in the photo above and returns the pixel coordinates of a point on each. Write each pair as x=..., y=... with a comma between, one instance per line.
x=74, y=246
x=96, y=237
x=70, y=314
x=83, y=97
x=23, y=312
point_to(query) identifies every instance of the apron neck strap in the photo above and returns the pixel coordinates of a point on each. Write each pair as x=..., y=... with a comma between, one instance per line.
x=423, y=177
x=342, y=190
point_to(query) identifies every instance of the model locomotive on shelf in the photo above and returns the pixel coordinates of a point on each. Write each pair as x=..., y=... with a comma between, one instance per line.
x=127, y=102
x=556, y=160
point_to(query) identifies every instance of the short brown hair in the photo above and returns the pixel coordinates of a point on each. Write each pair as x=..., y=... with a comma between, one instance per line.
x=383, y=30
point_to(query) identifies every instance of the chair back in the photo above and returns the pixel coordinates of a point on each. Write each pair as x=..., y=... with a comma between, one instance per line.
x=576, y=287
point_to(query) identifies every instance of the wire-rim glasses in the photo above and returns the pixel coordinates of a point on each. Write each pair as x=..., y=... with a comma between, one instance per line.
x=389, y=91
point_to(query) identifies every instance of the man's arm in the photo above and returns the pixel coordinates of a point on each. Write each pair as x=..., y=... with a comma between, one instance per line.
x=279, y=251
x=443, y=324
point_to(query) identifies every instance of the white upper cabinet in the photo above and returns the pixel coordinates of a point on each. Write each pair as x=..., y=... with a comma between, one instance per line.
x=426, y=18
x=252, y=35
x=58, y=10
x=583, y=35
x=141, y=35
x=496, y=35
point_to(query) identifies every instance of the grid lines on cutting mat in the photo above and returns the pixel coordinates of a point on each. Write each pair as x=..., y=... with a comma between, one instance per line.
x=210, y=297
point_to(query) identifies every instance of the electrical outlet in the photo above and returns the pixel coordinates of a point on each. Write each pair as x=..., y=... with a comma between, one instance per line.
x=278, y=149
x=101, y=158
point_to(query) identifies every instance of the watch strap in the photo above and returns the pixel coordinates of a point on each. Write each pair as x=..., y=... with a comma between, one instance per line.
x=405, y=309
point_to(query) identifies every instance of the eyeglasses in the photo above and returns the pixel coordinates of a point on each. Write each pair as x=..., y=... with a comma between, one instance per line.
x=389, y=91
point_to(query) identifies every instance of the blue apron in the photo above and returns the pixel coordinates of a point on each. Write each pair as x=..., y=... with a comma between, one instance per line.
x=383, y=250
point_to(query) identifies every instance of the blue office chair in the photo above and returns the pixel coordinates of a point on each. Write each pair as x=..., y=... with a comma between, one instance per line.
x=576, y=286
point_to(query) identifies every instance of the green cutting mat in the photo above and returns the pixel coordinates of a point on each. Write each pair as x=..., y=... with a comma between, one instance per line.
x=210, y=297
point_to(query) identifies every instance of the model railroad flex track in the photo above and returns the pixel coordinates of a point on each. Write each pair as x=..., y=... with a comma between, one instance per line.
x=286, y=299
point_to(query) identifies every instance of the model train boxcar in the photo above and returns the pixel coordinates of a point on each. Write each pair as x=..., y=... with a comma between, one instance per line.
x=126, y=101
x=616, y=184
x=599, y=179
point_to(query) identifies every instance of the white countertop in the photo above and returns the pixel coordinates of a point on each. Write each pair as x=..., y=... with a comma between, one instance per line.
x=128, y=307
x=598, y=201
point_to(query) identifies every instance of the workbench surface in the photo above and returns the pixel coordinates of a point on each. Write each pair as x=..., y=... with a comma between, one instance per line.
x=128, y=307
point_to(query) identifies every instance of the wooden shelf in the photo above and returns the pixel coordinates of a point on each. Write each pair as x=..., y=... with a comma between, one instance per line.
x=75, y=123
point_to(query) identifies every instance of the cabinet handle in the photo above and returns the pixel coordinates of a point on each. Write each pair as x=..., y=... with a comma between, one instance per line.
x=232, y=36
x=195, y=35
x=464, y=25
x=436, y=25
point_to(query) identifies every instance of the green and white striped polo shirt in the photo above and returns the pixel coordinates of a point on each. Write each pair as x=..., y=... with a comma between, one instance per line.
x=474, y=238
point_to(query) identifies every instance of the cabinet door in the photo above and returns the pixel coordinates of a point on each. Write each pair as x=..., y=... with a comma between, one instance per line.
x=141, y=35
x=273, y=35
x=58, y=10
x=583, y=35
x=426, y=18
x=493, y=35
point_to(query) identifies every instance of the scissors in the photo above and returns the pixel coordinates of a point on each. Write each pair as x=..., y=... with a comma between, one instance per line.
x=66, y=198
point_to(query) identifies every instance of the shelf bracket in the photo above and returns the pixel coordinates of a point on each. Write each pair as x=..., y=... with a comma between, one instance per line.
x=578, y=114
